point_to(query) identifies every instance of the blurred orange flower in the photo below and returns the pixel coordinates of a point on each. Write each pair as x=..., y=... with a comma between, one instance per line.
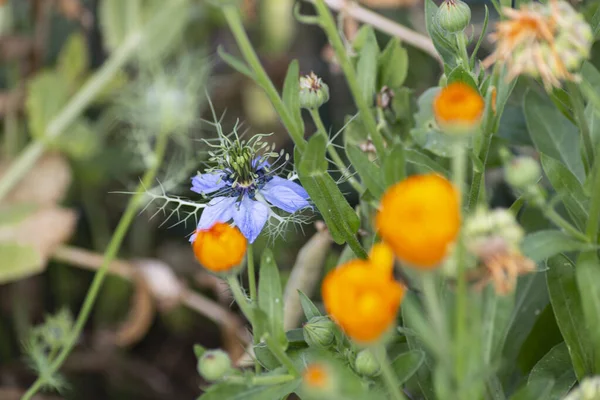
x=362, y=295
x=315, y=376
x=220, y=248
x=420, y=218
x=458, y=108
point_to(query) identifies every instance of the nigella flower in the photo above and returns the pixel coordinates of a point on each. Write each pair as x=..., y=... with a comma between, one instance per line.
x=245, y=188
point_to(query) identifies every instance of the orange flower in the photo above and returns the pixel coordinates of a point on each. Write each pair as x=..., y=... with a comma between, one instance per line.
x=420, y=218
x=220, y=248
x=458, y=108
x=362, y=295
x=316, y=376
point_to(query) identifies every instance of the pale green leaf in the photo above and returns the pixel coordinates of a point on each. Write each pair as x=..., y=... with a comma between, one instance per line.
x=18, y=262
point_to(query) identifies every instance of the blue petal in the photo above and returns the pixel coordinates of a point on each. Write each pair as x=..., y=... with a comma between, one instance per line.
x=208, y=183
x=219, y=209
x=262, y=165
x=284, y=194
x=250, y=217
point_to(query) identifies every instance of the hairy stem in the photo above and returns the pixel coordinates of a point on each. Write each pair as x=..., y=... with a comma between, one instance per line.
x=111, y=252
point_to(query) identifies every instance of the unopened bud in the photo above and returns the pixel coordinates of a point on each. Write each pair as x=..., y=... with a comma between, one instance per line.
x=214, y=365
x=453, y=16
x=313, y=92
x=522, y=172
x=319, y=332
x=366, y=364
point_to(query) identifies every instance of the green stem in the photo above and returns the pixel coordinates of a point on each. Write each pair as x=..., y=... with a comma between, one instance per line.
x=251, y=275
x=113, y=247
x=562, y=223
x=314, y=113
x=591, y=228
x=461, y=41
x=261, y=380
x=69, y=113
x=330, y=28
x=232, y=15
x=356, y=247
x=280, y=355
x=458, y=175
x=579, y=111
x=387, y=372
x=478, y=176
x=240, y=296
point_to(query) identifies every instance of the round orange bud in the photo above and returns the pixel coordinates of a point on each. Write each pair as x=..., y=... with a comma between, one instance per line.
x=220, y=248
x=362, y=296
x=458, y=108
x=419, y=218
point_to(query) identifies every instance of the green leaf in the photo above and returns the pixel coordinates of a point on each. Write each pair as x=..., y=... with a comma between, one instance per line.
x=595, y=23
x=270, y=296
x=80, y=141
x=555, y=366
x=407, y=364
x=393, y=65
x=369, y=172
x=534, y=390
x=366, y=68
x=18, y=262
x=441, y=41
x=568, y=310
x=235, y=63
x=552, y=133
x=73, y=60
x=426, y=133
x=588, y=280
x=497, y=314
x=342, y=221
x=231, y=391
x=199, y=351
x=568, y=188
x=291, y=93
x=460, y=74
x=47, y=93
x=544, y=244
x=394, y=165
x=424, y=163
x=309, y=308
x=265, y=357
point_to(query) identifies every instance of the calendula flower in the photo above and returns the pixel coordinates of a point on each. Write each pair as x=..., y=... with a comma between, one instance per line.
x=316, y=376
x=420, y=219
x=220, y=248
x=362, y=295
x=542, y=40
x=245, y=187
x=494, y=238
x=458, y=108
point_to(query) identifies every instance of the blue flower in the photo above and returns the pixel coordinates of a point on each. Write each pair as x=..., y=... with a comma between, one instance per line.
x=245, y=194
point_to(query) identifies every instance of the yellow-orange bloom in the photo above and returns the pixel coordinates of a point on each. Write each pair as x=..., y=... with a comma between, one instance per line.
x=458, y=108
x=362, y=295
x=220, y=248
x=316, y=376
x=420, y=218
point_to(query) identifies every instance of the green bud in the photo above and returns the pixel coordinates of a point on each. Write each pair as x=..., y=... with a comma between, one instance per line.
x=522, y=172
x=366, y=364
x=453, y=16
x=313, y=92
x=214, y=365
x=319, y=332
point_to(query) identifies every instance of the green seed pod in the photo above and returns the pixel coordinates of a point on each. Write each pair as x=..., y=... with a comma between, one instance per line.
x=522, y=172
x=453, y=16
x=366, y=364
x=319, y=332
x=313, y=92
x=214, y=365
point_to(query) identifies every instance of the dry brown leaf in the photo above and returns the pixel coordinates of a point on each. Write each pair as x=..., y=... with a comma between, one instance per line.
x=140, y=317
x=45, y=184
x=45, y=230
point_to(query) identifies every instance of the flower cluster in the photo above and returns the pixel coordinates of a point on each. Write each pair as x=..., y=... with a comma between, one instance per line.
x=244, y=187
x=542, y=40
x=362, y=295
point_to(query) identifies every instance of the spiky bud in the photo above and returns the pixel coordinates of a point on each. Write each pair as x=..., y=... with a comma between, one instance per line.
x=313, y=92
x=453, y=16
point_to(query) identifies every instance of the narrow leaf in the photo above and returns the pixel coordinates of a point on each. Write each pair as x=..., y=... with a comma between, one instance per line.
x=407, y=364
x=235, y=63
x=544, y=244
x=270, y=296
x=229, y=391
x=393, y=65
x=369, y=172
x=394, y=165
x=556, y=366
x=310, y=310
x=291, y=93
x=588, y=280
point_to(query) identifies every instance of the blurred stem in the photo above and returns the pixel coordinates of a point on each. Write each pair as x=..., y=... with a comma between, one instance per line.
x=111, y=252
x=251, y=274
x=314, y=113
x=579, y=111
x=28, y=157
x=330, y=28
x=261, y=380
x=591, y=228
x=565, y=225
x=461, y=41
x=280, y=355
x=11, y=131
x=458, y=177
x=232, y=15
x=389, y=377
